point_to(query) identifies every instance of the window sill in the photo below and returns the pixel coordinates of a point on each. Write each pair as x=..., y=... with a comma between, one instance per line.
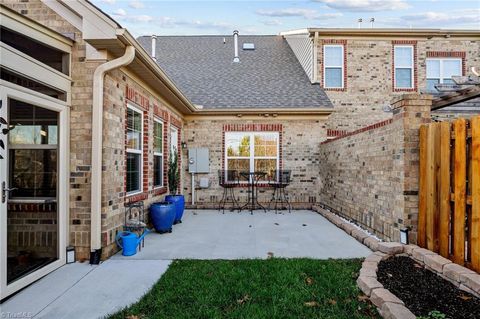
x=159, y=190
x=135, y=197
x=335, y=89
x=260, y=184
x=32, y=201
x=404, y=90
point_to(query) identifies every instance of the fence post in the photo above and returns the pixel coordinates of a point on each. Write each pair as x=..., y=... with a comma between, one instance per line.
x=410, y=111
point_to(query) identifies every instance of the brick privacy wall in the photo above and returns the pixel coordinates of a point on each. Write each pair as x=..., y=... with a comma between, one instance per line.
x=80, y=123
x=369, y=77
x=358, y=177
x=300, y=153
x=371, y=175
x=114, y=151
x=32, y=228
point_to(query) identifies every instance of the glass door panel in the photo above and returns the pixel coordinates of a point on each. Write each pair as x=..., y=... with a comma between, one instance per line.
x=32, y=215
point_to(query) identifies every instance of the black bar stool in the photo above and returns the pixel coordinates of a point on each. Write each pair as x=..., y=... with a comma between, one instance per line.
x=282, y=179
x=228, y=179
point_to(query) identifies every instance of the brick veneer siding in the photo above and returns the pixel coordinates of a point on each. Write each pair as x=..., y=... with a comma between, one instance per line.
x=120, y=91
x=371, y=175
x=300, y=143
x=369, y=76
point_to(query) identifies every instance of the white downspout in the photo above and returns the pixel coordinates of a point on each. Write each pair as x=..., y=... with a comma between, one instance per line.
x=97, y=150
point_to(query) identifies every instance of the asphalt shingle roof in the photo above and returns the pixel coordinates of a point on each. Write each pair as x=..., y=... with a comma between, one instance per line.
x=268, y=77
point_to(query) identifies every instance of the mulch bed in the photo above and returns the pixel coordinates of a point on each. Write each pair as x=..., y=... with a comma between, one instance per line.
x=423, y=291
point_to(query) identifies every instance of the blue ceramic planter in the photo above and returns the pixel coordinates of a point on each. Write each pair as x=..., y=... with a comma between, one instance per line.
x=179, y=201
x=162, y=215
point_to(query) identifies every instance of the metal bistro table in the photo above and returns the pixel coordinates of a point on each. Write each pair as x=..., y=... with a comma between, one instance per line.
x=252, y=178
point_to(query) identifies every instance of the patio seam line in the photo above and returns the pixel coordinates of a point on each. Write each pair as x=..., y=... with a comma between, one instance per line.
x=65, y=291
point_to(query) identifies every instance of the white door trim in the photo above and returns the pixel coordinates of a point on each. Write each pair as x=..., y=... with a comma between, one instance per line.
x=63, y=190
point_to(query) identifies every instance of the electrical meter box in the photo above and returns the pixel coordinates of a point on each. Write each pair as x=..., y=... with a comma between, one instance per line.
x=198, y=160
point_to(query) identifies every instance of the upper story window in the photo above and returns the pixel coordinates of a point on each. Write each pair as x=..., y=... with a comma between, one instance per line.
x=403, y=64
x=52, y=57
x=440, y=71
x=157, y=153
x=333, y=66
x=134, y=149
x=252, y=151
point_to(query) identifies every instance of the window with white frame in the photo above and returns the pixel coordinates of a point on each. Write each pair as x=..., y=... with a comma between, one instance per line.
x=440, y=71
x=333, y=63
x=252, y=151
x=157, y=153
x=403, y=64
x=173, y=140
x=134, y=149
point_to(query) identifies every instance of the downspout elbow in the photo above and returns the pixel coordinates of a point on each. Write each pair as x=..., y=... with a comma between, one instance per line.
x=97, y=151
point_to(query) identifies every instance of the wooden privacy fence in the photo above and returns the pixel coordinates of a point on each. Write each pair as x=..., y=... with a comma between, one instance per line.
x=449, y=190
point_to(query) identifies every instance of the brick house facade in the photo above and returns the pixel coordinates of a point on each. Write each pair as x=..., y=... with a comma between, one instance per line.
x=122, y=87
x=369, y=67
x=276, y=93
x=298, y=151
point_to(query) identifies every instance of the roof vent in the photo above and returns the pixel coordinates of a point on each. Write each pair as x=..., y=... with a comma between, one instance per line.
x=154, y=47
x=249, y=46
x=236, y=59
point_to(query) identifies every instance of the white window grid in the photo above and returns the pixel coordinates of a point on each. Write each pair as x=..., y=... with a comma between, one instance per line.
x=411, y=67
x=442, y=77
x=174, y=139
x=159, y=154
x=325, y=67
x=137, y=151
x=252, y=156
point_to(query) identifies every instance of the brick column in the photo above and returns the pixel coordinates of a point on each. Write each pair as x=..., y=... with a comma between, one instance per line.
x=410, y=111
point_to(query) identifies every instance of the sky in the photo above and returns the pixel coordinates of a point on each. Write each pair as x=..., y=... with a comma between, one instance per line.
x=181, y=17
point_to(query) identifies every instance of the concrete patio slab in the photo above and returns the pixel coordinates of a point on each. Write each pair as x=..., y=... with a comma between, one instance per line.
x=209, y=234
x=37, y=296
x=82, y=291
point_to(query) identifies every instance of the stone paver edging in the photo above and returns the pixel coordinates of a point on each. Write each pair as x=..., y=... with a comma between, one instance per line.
x=389, y=306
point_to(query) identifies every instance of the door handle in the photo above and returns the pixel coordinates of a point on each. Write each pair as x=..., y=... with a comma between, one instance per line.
x=5, y=190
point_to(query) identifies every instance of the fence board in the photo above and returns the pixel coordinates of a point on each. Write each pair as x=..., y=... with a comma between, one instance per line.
x=460, y=176
x=422, y=202
x=430, y=186
x=449, y=190
x=475, y=194
x=444, y=191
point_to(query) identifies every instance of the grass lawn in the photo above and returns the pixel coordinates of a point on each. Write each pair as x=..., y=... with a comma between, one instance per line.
x=272, y=288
